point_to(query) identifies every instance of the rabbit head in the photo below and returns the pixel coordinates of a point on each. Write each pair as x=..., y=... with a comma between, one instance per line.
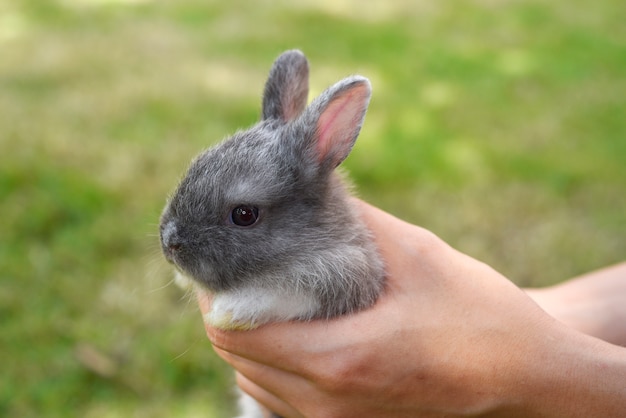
x=264, y=220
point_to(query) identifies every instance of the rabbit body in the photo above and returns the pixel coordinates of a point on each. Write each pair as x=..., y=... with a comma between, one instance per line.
x=264, y=220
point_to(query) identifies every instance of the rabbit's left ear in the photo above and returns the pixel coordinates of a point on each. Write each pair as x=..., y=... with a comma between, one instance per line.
x=335, y=119
x=287, y=87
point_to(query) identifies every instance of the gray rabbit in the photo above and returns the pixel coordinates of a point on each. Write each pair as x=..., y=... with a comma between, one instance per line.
x=264, y=220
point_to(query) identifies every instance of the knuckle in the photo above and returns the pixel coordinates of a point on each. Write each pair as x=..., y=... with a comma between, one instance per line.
x=341, y=375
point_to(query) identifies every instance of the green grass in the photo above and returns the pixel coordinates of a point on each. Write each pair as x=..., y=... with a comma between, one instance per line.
x=499, y=125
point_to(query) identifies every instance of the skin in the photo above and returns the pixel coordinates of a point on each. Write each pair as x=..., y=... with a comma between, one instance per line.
x=594, y=303
x=449, y=337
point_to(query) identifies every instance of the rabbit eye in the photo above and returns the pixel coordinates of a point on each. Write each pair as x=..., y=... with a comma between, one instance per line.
x=244, y=215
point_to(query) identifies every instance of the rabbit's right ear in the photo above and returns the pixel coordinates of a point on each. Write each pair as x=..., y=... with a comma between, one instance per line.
x=287, y=87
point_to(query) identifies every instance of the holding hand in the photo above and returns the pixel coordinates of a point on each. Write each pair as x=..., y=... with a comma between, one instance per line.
x=448, y=337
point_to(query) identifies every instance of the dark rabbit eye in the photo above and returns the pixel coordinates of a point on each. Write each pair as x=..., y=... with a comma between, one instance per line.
x=244, y=215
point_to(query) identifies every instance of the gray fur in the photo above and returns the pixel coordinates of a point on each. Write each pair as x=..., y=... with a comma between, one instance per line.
x=309, y=255
x=287, y=87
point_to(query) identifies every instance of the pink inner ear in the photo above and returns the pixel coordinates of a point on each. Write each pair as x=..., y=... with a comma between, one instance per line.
x=339, y=124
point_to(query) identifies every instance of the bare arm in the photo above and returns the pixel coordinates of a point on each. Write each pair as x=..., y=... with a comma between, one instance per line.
x=594, y=303
x=450, y=337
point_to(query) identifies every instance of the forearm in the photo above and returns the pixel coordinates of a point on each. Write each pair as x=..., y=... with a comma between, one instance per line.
x=573, y=375
x=594, y=303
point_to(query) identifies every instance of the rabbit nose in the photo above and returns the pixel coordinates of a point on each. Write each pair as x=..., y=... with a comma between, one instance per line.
x=170, y=241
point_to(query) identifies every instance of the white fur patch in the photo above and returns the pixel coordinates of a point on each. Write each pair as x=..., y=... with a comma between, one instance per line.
x=183, y=281
x=250, y=307
x=248, y=407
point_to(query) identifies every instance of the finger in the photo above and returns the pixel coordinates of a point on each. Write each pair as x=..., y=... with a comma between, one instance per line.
x=284, y=345
x=275, y=382
x=266, y=398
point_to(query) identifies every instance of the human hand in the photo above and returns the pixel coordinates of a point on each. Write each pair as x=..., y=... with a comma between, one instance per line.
x=449, y=337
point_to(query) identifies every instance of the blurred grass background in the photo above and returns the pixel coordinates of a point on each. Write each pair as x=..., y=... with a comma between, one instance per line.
x=499, y=125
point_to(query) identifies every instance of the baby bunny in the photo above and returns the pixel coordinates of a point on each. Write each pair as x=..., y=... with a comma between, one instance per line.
x=264, y=221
